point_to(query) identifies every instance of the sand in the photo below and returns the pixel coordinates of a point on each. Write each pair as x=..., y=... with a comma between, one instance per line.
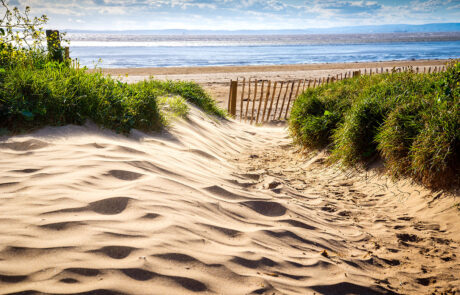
x=216, y=80
x=212, y=207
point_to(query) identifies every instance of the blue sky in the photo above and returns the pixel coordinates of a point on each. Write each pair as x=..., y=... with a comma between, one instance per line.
x=238, y=14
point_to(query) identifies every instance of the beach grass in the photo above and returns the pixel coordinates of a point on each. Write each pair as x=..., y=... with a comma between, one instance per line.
x=36, y=92
x=411, y=121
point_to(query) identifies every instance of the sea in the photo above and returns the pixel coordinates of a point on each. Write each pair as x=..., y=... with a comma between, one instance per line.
x=131, y=50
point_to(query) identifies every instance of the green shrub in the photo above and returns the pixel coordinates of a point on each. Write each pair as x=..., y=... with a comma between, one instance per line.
x=316, y=113
x=58, y=94
x=354, y=138
x=435, y=152
x=397, y=135
x=411, y=121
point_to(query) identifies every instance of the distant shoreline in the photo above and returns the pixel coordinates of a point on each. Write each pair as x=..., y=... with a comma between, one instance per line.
x=265, y=68
x=215, y=79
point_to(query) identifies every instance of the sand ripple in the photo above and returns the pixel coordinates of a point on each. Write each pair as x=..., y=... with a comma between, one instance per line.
x=84, y=211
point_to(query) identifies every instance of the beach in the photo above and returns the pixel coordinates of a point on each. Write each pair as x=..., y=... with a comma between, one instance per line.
x=211, y=205
x=230, y=147
x=216, y=79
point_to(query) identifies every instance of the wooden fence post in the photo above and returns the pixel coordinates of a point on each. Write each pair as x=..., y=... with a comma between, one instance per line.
x=242, y=98
x=230, y=96
x=290, y=96
x=254, y=101
x=266, y=100
x=284, y=99
x=233, y=93
x=314, y=84
x=54, y=45
x=260, y=100
x=271, y=102
x=247, y=102
x=278, y=99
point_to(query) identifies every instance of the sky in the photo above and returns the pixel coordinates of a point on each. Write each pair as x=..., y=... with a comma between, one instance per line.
x=238, y=14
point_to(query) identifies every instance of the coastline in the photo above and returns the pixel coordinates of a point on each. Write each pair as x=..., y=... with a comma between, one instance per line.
x=266, y=68
x=216, y=79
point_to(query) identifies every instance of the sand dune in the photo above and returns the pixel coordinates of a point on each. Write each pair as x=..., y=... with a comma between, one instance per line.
x=211, y=207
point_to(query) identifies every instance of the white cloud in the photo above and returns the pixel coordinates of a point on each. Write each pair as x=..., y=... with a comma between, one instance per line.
x=240, y=14
x=430, y=5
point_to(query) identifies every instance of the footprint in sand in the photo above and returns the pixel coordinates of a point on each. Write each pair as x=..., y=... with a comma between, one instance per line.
x=125, y=174
x=116, y=252
x=270, y=209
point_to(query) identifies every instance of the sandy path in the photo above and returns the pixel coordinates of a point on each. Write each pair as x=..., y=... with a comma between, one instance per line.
x=406, y=236
x=210, y=207
x=216, y=80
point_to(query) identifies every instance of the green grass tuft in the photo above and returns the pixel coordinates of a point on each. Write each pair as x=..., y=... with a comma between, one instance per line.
x=32, y=96
x=411, y=121
x=173, y=106
x=192, y=92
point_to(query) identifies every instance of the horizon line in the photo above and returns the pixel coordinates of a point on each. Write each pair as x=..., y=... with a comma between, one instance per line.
x=271, y=30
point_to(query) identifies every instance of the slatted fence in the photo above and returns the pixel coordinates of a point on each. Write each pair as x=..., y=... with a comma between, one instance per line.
x=258, y=101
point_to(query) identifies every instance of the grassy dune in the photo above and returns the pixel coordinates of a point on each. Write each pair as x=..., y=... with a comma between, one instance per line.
x=411, y=121
x=48, y=93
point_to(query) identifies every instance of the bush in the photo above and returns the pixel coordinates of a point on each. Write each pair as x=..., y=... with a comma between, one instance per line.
x=354, y=138
x=317, y=112
x=410, y=120
x=435, y=152
x=58, y=94
x=397, y=135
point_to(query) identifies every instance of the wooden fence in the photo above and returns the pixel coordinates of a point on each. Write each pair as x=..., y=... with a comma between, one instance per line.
x=261, y=101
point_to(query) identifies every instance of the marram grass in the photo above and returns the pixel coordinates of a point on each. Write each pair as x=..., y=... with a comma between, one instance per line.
x=35, y=92
x=411, y=121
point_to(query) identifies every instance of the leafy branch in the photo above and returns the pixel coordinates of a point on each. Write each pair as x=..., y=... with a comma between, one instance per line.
x=19, y=30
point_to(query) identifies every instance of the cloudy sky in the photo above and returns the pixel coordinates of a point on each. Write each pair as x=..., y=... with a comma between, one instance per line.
x=238, y=14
